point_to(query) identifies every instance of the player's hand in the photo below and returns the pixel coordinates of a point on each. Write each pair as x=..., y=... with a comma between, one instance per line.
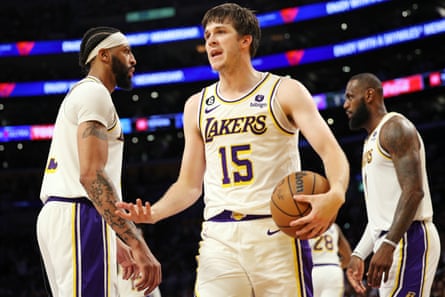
x=137, y=213
x=380, y=265
x=125, y=260
x=354, y=274
x=148, y=275
x=323, y=213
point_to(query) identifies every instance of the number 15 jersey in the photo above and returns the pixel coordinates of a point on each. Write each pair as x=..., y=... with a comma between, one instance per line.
x=250, y=146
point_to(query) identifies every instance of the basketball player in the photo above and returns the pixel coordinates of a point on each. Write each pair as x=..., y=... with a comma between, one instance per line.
x=330, y=254
x=400, y=230
x=240, y=141
x=77, y=225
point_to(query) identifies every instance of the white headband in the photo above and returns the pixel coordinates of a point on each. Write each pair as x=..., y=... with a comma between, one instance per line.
x=112, y=40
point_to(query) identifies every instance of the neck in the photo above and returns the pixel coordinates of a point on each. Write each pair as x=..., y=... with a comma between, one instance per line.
x=104, y=79
x=375, y=119
x=235, y=83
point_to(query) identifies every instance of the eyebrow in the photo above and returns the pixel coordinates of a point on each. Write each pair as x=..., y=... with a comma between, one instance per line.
x=218, y=26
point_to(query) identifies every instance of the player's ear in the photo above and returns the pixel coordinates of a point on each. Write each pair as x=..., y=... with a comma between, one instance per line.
x=370, y=93
x=104, y=54
x=246, y=40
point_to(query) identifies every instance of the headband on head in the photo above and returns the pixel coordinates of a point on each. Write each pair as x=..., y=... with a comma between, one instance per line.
x=112, y=40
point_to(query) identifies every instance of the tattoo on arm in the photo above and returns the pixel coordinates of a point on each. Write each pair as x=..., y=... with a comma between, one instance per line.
x=99, y=187
x=95, y=129
x=103, y=195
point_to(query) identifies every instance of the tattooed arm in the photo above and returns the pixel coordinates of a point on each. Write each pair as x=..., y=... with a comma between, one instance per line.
x=92, y=145
x=399, y=138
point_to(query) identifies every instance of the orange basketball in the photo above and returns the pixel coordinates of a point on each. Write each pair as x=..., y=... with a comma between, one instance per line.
x=285, y=208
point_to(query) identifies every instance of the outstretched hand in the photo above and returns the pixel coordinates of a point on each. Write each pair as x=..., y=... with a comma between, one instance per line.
x=137, y=213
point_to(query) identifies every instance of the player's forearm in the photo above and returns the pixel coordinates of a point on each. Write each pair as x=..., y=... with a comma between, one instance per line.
x=404, y=215
x=102, y=193
x=337, y=170
x=176, y=199
x=365, y=246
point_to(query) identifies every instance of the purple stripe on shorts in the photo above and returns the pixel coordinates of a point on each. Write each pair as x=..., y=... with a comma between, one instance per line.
x=76, y=250
x=307, y=267
x=94, y=268
x=414, y=253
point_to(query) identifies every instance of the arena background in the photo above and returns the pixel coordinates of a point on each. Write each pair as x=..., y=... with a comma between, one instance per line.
x=319, y=43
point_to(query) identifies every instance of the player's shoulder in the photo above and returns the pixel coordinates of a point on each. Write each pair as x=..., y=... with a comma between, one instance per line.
x=87, y=88
x=287, y=79
x=291, y=86
x=292, y=93
x=396, y=122
x=192, y=103
x=193, y=99
x=397, y=131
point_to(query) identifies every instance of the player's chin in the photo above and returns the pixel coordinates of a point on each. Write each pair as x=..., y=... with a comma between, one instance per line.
x=215, y=65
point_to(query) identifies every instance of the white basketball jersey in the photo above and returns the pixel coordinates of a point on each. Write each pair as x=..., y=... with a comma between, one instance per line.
x=88, y=100
x=249, y=147
x=382, y=189
x=325, y=247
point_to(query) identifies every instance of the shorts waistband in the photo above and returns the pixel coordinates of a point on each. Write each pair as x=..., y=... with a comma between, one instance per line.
x=232, y=216
x=416, y=222
x=68, y=200
x=326, y=264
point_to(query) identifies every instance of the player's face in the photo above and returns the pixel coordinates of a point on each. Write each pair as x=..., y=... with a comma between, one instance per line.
x=355, y=106
x=221, y=41
x=360, y=116
x=122, y=65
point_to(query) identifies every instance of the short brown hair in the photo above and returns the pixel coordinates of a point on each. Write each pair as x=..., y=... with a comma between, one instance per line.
x=243, y=20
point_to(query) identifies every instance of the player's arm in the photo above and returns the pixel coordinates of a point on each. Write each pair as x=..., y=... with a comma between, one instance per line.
x=93, y=154
x=356, y=266
x=399, y=137
x=344, y=249
x=188, y=187
x=300, y=107
x=125, y=259
x=92, y=145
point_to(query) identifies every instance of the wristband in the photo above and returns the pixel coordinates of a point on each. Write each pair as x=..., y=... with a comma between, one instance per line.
x=390, y=242
x=358, y=255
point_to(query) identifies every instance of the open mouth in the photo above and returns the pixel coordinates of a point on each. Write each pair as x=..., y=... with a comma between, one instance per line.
x=215, y=53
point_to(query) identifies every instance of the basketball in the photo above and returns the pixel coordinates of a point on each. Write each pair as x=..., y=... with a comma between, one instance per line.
x=284, y=208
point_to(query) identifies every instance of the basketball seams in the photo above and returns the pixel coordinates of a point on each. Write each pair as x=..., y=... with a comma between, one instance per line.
x=282, y=202
x=284, y=211
x=291, y=190
x=314, y=180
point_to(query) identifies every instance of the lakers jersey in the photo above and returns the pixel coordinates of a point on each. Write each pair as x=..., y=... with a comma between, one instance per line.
x=249, y=146
x=381, y=186
x=88, y=100
x=325, y=247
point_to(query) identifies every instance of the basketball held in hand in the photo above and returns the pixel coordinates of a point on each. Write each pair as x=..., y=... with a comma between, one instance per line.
x=284, y=208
